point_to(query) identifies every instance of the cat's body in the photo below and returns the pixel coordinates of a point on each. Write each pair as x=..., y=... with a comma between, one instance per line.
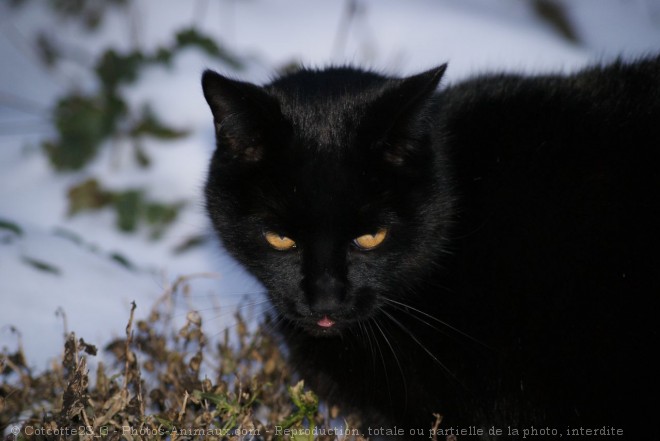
x=509, y=275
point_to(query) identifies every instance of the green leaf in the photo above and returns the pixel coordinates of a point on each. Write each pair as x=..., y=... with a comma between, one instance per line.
x=41, y=265
x=89, y=13
x=80, y=123
x=163, y=56
x=114, y=108
x=141, y=156
x=128, y=205
x=159, y=216
x=68, y=7
x=157, y=213
x=165, y=422
x=150, y=125
x=306, y=402
x=47, y=51
x=68, y=235
x=114, y=68
x=17, y=3
x=88, y=195
x=122, y=260
x=11, y=226
x=131, y=207
x=191, y=37
x=219, y=400
x=190, y=243
x=290, y=66
x=555, y=14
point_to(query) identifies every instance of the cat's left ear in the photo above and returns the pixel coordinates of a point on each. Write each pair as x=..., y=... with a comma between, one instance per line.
x=413, y=91
x=399, y=112
x=244, y=115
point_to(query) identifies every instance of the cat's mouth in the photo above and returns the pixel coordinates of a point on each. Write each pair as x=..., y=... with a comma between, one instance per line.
x=324, y=326
x=326, y=322
x=321, y=323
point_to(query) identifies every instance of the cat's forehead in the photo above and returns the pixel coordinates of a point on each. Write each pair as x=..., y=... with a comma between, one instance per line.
x=318, y=189
x=325, y=108
x=328, y=176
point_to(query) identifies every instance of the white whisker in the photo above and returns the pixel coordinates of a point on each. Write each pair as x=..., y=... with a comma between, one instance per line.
x=396, y=358
x=400, y=306
x=421, y=345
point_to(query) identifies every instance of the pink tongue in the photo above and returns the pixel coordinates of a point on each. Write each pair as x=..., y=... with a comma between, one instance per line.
x=325, y=322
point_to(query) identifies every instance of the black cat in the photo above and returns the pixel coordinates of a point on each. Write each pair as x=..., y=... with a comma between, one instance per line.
x=490, y=252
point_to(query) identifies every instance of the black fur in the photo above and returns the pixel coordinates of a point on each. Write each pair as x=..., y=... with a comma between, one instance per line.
x=518, y=283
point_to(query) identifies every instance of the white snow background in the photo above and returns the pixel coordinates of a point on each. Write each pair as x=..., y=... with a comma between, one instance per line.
x=394, y=36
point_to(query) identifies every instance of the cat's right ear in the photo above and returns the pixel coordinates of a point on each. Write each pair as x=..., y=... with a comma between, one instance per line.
x=243, y=114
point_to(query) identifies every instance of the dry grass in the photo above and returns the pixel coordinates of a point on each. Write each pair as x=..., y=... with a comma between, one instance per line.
x=163, y=383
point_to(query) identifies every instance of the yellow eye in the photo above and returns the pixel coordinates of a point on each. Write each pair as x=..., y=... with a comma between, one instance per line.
x=279, y=242
x=371, y=241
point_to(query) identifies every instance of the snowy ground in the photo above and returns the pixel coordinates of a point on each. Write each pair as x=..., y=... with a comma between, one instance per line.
x=390, y=35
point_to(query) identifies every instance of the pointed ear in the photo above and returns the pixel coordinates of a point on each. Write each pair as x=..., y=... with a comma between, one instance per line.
x=244, y=116
x=400, y=113
x=412, y=91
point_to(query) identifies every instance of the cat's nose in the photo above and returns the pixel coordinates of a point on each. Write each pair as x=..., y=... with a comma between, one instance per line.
x=326, y=294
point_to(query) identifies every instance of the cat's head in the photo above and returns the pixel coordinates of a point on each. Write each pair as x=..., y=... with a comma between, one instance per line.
x=331, y=188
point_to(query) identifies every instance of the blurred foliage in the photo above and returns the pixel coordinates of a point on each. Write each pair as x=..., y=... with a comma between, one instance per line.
x=76, y=239
x=89, y=13
x=88, y=122
x=11, y=232
x=148, y=124
x=87, y=195
x=132, y=207
x=11, y=226
x=193, y=38
x=554, y=13
x=85, y=122
x=41, y=265
x=47, y=51
x=82, y=123
x=189, y=243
